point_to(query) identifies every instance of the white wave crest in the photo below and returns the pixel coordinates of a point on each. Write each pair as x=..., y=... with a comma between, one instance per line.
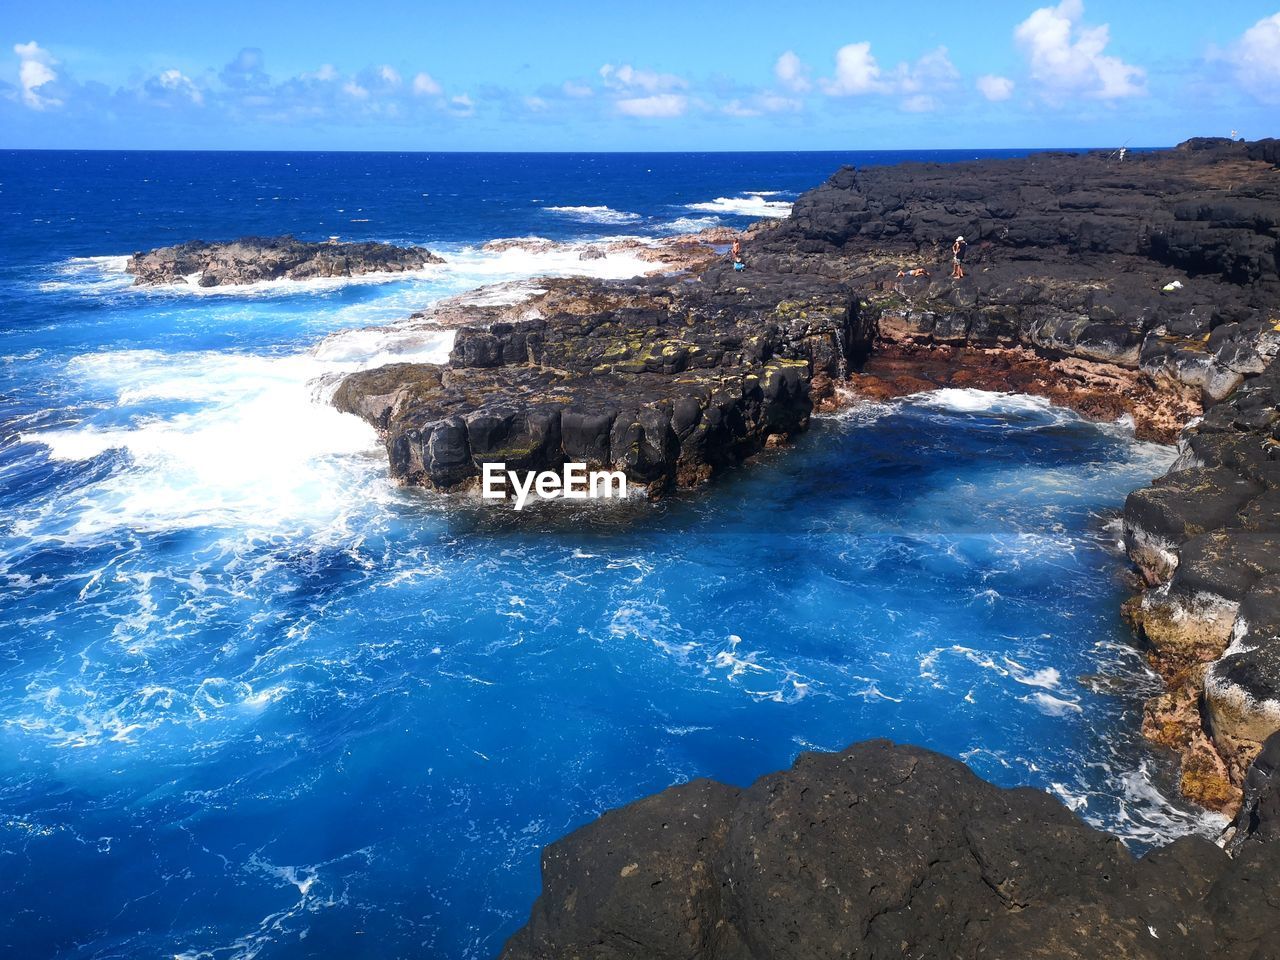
x=967, y=400
x=691, y=224
x=747, y=205
x=89, y=276
x=471, y=266
x=263, y=449
x=596, y=214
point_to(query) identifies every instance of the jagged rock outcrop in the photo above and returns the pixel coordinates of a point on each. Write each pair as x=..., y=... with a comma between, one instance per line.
x=667, y=381
x=252, y=259
x=1164, y=264
x=886, y=850
x=1206, y=537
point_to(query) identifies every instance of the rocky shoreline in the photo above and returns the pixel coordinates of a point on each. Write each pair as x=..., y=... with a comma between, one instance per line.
x=1146, y=288
x=1149, y=291
x=1143, y=288
x=1206, y=538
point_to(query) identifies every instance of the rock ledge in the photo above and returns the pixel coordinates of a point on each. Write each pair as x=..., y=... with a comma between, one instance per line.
x=887, y=850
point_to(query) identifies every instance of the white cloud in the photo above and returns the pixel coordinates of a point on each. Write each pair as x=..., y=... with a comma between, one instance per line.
x=247, y=71
x=242, y=91
x=35, y=70
x=931, y=74
x=1067, y=58
x=762, y=103
x=424, y=85
x=628, y=78
x=994, y=87
x=776, y=103
x=736, y=108
x=535, y=104
x=576, y=90
x=178, y=82
x=792, y=73
x=858, y=73
x=644, y=93
x=1256, y=56
x=658, y=105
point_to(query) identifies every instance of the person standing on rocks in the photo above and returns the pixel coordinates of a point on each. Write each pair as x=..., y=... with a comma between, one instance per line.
x=736, y=250
x=957, y=258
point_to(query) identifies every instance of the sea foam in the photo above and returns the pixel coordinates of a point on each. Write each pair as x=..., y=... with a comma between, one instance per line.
x=751, y=204
x=596, y=214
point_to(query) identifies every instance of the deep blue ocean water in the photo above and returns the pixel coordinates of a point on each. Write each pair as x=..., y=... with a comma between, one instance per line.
x=255, y=702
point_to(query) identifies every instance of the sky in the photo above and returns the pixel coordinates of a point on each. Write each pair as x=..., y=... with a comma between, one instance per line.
x=693, y=75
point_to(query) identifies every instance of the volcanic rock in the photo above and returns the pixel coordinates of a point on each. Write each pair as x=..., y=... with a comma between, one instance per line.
x=1207, y=538
x=1164, y=263
x=252, y=259
x=1259, y=818
x=887, y=850
x=667, y=381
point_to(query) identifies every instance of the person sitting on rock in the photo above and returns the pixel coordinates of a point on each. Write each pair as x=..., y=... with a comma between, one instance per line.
x=957, y=258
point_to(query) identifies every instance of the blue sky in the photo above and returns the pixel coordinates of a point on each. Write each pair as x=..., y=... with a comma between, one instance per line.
x=289, y=74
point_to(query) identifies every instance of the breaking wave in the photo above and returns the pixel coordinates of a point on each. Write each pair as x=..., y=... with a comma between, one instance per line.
x=751, y=204
x=596, y=214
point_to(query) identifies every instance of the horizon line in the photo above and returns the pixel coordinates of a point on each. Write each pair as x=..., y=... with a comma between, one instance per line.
x=1050, y=149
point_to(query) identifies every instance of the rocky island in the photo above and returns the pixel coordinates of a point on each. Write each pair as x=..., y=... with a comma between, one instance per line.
x=1145, y=287
x=666, y=380
x=254, y=259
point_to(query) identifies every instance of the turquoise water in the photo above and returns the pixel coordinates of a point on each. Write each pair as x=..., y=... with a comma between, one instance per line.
x=256, y=702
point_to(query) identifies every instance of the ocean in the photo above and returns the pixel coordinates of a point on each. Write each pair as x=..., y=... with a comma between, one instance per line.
x=258, y=702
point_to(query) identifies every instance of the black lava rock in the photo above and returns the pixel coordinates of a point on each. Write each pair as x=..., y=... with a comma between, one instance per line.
x=881, y=851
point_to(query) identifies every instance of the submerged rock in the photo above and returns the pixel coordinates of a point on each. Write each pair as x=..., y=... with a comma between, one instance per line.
x=253, y=259
x=886, y=850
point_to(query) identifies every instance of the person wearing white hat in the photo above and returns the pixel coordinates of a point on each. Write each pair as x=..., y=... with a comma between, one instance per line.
x=957, y=258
